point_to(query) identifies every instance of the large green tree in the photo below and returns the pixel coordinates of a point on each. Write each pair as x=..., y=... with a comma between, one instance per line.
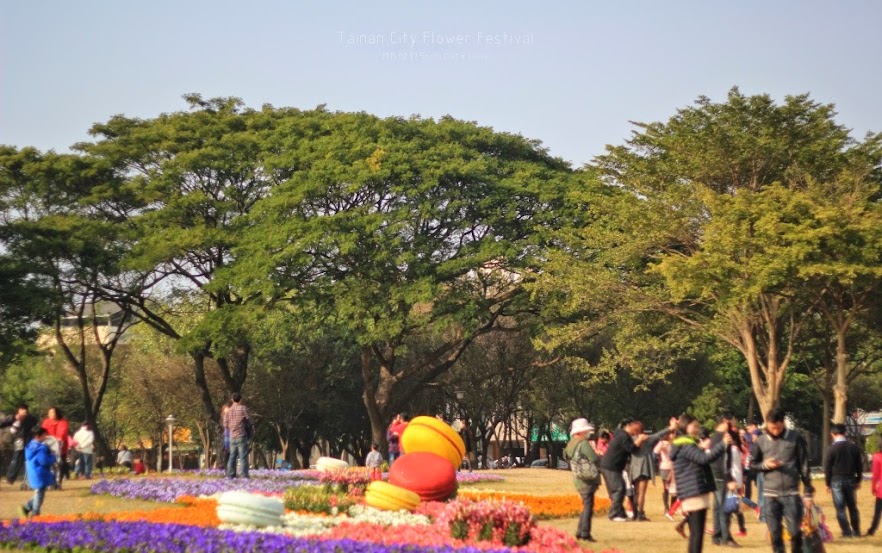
x=714, y=206
x=401, y=229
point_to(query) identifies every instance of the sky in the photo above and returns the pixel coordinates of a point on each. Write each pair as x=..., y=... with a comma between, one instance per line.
x=571, y=74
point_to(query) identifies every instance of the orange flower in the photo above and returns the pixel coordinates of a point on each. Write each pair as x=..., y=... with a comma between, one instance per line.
x=197, y=512
x=541, y=506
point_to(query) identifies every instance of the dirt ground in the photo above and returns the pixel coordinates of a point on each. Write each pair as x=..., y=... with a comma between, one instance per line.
x=656, y=536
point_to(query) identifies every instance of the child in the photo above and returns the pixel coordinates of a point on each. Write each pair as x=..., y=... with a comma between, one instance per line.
x=39, y=471
x=374, y=461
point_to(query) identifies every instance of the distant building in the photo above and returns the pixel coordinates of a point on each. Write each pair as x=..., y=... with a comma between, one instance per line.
x=109, y=320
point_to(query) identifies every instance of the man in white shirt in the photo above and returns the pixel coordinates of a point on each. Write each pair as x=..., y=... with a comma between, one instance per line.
x=85, y=440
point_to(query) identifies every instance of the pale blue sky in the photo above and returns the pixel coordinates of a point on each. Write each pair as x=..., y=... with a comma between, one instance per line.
x=590, y=66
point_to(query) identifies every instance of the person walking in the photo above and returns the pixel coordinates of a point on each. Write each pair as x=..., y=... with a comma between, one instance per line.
x=393, y=436
x=57, y=427
x=374, y=462
x=39, y=471
x=625, y=441
x=694, y=477
x=225, y=448
x=843, y=471
x=238, y=421
x=586, y=482
x=85, y=444
x=642, y=468
x=21, y=425
x=781, y=455
x=876, y=488
x=722, y=470
x=665, y=470
x=736, y=471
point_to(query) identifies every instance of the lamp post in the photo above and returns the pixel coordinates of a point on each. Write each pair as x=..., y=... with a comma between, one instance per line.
x=170, y=421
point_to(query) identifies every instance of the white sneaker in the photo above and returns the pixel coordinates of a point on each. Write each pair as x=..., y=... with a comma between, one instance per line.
x=669, y=517
x=619, y=519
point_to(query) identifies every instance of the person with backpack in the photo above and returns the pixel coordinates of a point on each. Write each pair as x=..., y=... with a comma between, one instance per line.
x=21, y=425
x=57, y=427
x=585, y=465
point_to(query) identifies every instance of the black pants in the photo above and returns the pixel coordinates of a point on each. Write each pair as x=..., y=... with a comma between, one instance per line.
x=845, y=502
x=16, y=465
x=877, y=514
x=696, y=520
x=615, y=488
x=722, y=519
x=788, y=509
x=584, y=530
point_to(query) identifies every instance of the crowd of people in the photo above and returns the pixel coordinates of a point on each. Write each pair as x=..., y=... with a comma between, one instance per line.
x=713, y=473
x=45, y=452
x=703, y=473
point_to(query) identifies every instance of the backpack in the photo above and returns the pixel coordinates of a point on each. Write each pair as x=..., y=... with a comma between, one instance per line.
x=583, y=468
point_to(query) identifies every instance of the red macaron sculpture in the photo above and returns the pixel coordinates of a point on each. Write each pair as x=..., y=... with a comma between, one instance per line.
x=433, y=451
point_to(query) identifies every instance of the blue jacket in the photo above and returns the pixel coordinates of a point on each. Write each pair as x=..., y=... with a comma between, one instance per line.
x=39, y=465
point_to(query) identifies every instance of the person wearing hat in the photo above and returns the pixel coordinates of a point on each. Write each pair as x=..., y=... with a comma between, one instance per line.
x=579, y=449
x=843, y=471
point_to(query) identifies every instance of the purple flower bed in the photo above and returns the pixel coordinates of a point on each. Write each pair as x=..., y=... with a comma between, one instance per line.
x=170, y=489
x=262, y=474
x=144, y=537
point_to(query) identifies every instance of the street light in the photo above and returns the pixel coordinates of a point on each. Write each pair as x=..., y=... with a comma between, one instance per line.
x=170, y=421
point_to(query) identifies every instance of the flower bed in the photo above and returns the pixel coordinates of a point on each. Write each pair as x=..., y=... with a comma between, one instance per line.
x=477, y=477
x=170, y=489
x=318, y=499
x=542, y=506
x=196, y=512
x=144, y=537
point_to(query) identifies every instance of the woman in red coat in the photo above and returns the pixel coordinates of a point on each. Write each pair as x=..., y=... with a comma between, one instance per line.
x=57, y=427
x=876, y=487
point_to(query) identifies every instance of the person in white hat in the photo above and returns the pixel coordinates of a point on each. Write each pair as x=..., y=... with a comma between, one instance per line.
x=586, y=478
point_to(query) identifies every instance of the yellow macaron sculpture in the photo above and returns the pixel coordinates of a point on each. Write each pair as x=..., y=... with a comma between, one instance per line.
x=430, y=435
x=385, y=496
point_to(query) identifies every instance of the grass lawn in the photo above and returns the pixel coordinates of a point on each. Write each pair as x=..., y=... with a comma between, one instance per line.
x=657, y=536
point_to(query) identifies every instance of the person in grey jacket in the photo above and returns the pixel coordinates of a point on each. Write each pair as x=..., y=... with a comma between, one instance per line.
x=782, y=456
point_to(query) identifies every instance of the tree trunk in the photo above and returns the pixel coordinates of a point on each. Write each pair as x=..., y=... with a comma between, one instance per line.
x=751, y=407
x=840, y=389
x=202, y=384
x=825, y=427
x=377, y=407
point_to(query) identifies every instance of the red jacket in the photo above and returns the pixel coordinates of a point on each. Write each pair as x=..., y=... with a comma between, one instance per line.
x=59, y=430
x=876, y=486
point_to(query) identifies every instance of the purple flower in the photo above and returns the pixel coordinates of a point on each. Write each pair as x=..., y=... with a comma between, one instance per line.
x=170, y=489
x=145, y=537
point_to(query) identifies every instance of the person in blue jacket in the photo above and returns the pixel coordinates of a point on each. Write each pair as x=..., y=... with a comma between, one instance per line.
x=39, y=463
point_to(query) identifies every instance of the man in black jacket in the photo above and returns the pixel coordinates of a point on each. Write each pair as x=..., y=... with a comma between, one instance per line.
x=22, y=425
x=843, y=471
x=782, y=456
x=625, y=441
x=722, y=470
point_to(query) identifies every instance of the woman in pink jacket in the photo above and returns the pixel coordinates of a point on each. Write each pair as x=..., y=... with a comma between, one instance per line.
x=876, y=487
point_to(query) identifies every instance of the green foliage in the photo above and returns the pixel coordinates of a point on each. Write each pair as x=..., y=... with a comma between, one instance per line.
x=318, y=499
x=41, y=382
x=873, y=442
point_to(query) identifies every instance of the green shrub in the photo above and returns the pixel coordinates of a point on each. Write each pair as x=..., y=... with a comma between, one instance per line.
x=874, y=441
x=318, y=499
